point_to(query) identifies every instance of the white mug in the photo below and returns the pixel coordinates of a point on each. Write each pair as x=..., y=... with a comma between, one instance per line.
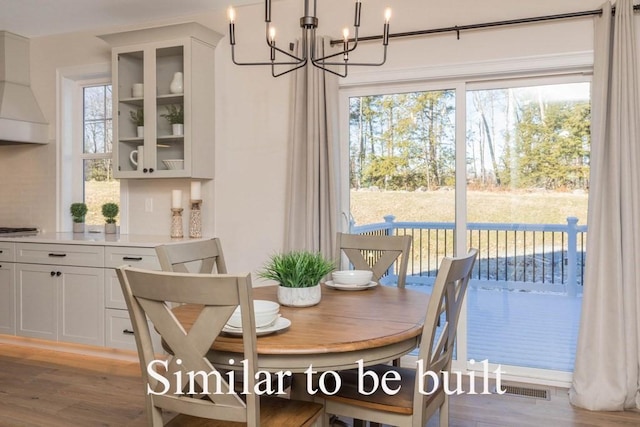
x=137, y=156
x=137, y=91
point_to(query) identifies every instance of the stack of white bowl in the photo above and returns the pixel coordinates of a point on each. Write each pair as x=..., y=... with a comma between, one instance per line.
x=352, y=277
x=265, y=312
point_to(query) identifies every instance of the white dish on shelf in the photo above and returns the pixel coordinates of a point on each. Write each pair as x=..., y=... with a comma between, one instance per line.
x=174, y=163
x=348, y=287
x=280, y=324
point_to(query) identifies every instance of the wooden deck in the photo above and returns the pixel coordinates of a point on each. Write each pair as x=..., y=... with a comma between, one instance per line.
x=530, y=329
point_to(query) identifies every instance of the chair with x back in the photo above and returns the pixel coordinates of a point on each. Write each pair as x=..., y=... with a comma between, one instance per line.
x=375, y=253
x=193, y=256
x=412, y=406
x=186, y=382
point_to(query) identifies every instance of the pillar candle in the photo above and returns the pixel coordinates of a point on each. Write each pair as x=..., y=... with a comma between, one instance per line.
x=176, y=199
x=196, y=190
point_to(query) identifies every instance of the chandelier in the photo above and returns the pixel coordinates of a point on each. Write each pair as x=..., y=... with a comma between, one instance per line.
x=338, y=61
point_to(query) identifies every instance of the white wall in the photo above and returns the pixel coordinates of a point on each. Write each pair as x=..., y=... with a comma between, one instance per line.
x=244, y=205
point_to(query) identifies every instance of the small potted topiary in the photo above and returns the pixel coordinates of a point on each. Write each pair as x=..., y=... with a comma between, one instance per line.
x=175, y=116
x=137, y=117
x=298, y=274
x=110, y=211
x=78, y=212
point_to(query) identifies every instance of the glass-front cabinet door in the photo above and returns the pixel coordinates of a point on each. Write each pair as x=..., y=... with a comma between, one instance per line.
x=164, y=109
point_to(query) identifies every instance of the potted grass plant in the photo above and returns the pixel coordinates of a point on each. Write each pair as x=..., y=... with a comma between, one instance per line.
x=298, y=274
x=137, y=117
x=78, y=212
x=175, y=116
x=110, y=211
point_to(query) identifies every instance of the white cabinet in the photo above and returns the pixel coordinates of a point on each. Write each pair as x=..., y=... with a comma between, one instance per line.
x=60, y=292
x=7, y=298
x=151, y=59
x=7, y=289
x=119, y=330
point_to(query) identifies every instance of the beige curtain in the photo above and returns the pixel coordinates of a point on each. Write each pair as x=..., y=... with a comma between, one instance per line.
x=606, y=375
x=312, y=193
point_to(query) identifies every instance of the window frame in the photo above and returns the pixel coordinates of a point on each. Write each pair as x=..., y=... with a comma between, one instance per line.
x=70, y=136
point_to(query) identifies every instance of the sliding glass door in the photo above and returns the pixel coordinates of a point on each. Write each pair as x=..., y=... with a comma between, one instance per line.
x=500, y=166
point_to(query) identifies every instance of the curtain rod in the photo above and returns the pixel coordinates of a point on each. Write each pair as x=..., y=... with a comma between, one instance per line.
x=458, y=28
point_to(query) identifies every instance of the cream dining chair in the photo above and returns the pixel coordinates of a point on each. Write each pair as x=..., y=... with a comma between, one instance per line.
x=149, y=294
x=192, y=256
x=409, y=407
x=375, y=253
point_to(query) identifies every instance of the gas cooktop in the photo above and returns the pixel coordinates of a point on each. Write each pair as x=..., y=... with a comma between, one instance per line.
x=18, y=231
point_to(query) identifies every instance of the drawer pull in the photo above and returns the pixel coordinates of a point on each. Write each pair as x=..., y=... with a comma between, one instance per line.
x=132, y=258
x=57, y=255
x=128, y=332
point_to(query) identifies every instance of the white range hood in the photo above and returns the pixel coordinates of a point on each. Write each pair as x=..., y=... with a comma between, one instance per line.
x=21, y=120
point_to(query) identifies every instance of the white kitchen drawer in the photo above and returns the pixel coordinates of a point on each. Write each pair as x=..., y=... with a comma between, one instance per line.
x=79, y=255
x=7, y=252
x=117, y=256
x=120, y=332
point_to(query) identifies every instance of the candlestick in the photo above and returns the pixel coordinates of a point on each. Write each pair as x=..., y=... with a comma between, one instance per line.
x=176, y=223
x=196, y=190
x=176, y=199
x=195, y=220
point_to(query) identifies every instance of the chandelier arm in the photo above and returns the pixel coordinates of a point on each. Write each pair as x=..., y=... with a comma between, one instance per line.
x=359, y=64
x=274, y=74
x=296, y=62
x=332, y=71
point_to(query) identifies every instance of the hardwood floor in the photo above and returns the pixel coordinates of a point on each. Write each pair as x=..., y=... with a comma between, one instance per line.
x=43, y=387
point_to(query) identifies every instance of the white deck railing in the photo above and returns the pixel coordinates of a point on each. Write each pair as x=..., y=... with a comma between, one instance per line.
x=534, y=257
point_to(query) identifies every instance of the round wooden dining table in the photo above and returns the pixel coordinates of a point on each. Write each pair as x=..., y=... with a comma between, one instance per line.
x=375, y=325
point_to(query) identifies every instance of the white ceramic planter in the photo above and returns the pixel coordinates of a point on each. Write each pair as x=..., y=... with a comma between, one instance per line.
x=78, y=227
x=299, y=297
x=177, y=129
x=110, y=228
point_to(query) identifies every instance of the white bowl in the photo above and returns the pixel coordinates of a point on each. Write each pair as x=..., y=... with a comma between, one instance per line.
x=265, y=313
x=174, y=163
x=352, y=277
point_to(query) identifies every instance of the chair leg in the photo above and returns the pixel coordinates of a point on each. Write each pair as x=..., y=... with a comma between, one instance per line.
x=444, y=413
x=358, y=423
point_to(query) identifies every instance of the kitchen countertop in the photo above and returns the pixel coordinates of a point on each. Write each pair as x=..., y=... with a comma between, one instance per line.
x=101, y=239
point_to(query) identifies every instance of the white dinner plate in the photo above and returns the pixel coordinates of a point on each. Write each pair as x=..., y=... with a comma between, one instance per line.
x=344, y=287
x=279, y=325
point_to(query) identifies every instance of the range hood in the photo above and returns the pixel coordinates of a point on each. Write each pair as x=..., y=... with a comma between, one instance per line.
x=21, y=120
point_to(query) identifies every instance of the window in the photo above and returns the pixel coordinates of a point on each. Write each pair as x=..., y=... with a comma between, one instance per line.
x=99, y=187
x=85, y=142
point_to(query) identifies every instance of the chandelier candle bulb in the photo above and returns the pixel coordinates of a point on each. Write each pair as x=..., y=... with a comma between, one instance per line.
x=345, y=44
x=387, y=18
x=232, y=26
x=272, y=42
x=176, y=199
x=196, y=190
x=356, y=22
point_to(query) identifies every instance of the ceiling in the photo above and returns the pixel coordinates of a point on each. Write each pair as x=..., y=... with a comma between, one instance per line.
x=37, y=18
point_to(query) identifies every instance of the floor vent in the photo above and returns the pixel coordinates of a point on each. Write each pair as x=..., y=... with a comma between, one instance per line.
x=533, y=393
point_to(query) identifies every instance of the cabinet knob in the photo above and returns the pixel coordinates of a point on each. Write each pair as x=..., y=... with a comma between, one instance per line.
x=144, y=170
x=53, y=273
x=150, y=170
x=58, y=273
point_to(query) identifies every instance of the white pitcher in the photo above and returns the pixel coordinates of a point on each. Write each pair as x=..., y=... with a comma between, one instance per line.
x=176, y=85
x=137, y=156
